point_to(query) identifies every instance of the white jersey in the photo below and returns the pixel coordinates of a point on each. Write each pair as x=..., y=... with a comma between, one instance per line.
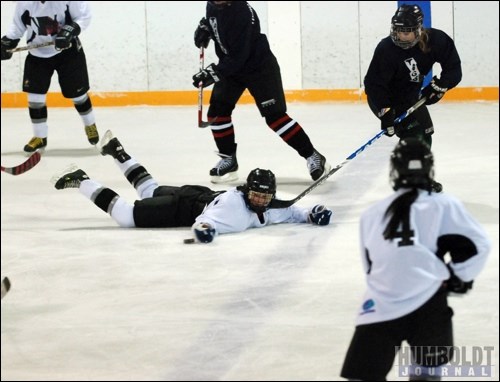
x=42, y=20
x=229, y=213
x=403, y=274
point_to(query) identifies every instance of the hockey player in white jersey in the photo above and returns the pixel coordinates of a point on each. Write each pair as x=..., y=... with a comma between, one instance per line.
x=58, y=23
x=208, y=212
x=404, y=240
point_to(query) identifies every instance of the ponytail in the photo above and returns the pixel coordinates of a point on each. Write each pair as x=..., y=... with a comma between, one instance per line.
x=399, y=213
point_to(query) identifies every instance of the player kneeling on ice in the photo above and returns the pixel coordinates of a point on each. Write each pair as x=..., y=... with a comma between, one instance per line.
x=208, y=212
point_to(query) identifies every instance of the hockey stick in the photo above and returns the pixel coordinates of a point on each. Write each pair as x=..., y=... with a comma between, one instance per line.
x=28, y=164
x=29, y=47
x=201, y=123
x=5, y=286
x=276, y=203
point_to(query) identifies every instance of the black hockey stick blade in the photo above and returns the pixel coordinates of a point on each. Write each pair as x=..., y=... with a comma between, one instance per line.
x=5, y=286
x=28, y=164
x=203, y=124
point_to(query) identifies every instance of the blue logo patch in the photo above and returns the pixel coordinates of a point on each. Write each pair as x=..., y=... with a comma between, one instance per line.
x=368, y=306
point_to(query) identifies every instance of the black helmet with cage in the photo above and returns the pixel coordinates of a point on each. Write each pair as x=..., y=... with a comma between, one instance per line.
x=412, y=165
x=408, y=18
x=259, y=190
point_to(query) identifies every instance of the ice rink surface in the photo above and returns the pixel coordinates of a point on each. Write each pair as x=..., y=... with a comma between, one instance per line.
x=92, y=301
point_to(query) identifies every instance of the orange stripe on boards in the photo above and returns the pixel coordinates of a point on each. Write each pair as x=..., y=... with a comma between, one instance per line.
x=190, y=97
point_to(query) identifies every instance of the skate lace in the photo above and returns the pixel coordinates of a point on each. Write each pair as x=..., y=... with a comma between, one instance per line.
x=314, y=162
x=74, y=183
x=91, y=131
x=35, y=142
x=225, y=162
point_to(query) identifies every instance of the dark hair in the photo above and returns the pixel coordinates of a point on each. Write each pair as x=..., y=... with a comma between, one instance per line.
x=398, y=213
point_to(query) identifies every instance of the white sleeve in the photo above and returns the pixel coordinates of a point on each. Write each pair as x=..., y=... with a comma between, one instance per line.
x=17, y=28
x=80, y=13
x=465, y=239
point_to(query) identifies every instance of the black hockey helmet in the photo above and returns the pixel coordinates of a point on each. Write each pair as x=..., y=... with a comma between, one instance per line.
x=408, y=18
x=412, y=165
x=259, y=190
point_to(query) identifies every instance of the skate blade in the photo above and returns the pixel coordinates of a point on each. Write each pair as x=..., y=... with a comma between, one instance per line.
x=229, y=177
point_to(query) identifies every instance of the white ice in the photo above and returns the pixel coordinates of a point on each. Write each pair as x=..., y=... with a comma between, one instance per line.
x=92, y=301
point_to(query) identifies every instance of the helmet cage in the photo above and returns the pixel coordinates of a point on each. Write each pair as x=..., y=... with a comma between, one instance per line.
x=260, y=190
x=407, y=19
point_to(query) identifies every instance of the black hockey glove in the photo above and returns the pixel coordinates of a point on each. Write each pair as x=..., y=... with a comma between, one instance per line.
x=8, y=44
x=207, y=76
x=387, y=118
x=320, y=215
x=456, y=285
x=433, y=92
x=202, y=34
x=66, y=34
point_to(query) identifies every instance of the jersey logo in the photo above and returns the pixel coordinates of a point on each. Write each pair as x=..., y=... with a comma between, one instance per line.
x=411, y=64
x=368, y=307
x=41, y=26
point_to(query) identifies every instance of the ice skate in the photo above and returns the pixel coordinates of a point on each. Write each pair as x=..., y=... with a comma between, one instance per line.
x=71, y=177
x=317, y=165
x=112, y=146
x=92, y=134
x=35, y=144
x=225, y=170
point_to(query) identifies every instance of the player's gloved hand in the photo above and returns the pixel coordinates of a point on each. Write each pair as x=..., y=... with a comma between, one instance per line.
x=203, y=232
x=387, y=117
x=66, y=34
x=433, y=92
x=202, y=34
x=320, y=215
x=8, y=44
x=455, y=285
x=207, y=76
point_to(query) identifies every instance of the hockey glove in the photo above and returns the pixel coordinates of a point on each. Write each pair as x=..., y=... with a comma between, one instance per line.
x=455, y=285
x=433, y=92
x=203, y=232
x=66, y=34
x=207, y=77
x=387, y=117
x=8, y=44
x=320, y=215
x=202, y=34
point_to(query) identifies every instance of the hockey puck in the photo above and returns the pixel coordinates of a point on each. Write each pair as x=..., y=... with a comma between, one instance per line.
x=189, y=241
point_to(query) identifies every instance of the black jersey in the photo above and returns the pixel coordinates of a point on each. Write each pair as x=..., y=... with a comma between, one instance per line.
x=395, y=75
x=239, y=44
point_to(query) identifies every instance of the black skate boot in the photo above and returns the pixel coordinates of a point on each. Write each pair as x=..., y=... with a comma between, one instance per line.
x=226, y=169
x=70, y=178
x=317, y=165
x=112, y=146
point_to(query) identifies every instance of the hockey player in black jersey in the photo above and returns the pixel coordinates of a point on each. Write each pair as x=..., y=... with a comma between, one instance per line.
x=394, y=79
x=245, y=62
